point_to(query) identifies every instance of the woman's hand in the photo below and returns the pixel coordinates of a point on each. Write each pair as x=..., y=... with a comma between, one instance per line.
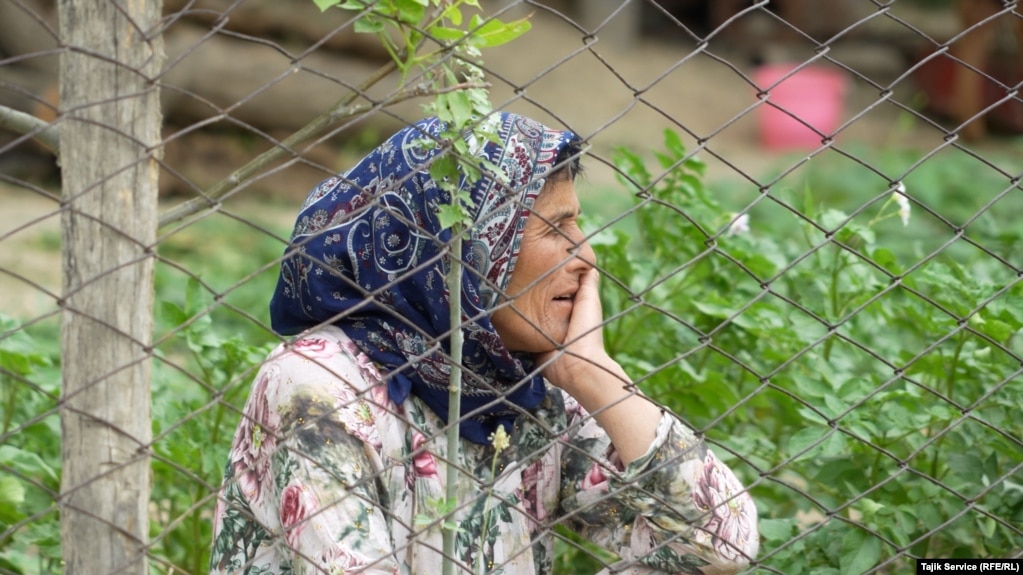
x=583, y=352
x=585, y=371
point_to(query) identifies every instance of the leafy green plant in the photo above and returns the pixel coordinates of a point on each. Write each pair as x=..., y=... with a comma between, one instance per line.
x=29, y=450
x=433, y=39
x=206, y=356
x=201, y=380
x=863, y=390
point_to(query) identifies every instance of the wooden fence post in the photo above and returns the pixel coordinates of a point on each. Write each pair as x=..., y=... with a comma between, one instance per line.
x=110, y=134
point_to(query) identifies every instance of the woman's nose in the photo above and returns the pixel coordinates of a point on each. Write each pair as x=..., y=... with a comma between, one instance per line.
x=585, y=258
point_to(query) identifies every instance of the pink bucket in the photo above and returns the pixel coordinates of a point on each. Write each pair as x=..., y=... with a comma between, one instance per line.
x=814, y=94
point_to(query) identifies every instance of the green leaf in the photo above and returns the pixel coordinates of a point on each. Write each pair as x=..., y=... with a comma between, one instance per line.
x=664, y=160
x=696, y=165
x=998, y=330
x=15, y=362
x=673, y=142
x=411, y=11
x=803, y=439
x=449, y=215
x=422, y=520
x=886, y=259
x=493, y=32
x=1012, y=309
x=834, y=446
x=444, y=34
x=631, y=170
x=831, y=219
x=25, y=462
x=12, y=495
x=19, y=352
x=850, y=231
x=987, y=526
x=808, y=203
x=693, y=187
x=777, y=529
x=493, y=171
x=369, y=24
x=930, y=516
x=813, y=387
x=444, y=169
x=461, y=112
x=860, y=551
x=442, y=111
x=454, y=14
x=870, y=507
x=443, y=506
x=197, y=299
x=324, y=4
x=173, y=313
x=832, y=405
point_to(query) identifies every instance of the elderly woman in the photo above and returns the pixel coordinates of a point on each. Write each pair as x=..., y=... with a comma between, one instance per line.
x=339, y=463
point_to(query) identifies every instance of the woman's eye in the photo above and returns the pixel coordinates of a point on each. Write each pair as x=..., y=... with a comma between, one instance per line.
x=560, y=228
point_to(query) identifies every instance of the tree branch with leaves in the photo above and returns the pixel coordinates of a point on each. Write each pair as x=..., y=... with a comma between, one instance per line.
x=428, y=37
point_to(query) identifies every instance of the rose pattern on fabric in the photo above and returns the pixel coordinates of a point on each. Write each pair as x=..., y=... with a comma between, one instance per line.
x=423, y=463
x=366, y=366
x=297, y=503
x=595, y=478
x=255, y=440
x=313, y=348
x=532, y=501
x=357, y=417
x=731, y=509
x=536, y=479
x=336, y=560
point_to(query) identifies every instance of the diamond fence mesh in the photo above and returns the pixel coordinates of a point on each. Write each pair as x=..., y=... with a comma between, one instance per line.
x=803, y=215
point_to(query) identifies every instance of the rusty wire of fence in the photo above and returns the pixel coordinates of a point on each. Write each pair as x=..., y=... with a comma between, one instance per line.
x=804, y=215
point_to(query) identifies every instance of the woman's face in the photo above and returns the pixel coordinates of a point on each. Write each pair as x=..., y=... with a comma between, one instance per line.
x=535, y=313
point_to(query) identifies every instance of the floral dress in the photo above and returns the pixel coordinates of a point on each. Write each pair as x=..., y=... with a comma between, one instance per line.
x=326, y=475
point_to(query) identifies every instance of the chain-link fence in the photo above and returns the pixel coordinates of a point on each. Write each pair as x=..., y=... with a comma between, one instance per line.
x=803, y=215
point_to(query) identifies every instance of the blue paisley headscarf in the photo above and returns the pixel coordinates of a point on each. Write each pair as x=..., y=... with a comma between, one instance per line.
x=367, y=255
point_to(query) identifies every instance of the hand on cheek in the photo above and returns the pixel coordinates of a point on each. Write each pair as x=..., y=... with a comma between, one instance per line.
x=583, y=350
x=586, y=372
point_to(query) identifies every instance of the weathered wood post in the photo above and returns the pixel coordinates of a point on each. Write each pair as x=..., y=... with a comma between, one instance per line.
x=110, y=133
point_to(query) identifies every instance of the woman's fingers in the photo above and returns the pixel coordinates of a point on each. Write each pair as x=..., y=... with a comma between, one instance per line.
x=587, y=315
x=584, y=342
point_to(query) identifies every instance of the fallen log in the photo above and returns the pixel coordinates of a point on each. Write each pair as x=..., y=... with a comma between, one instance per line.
x=298, y=22
x=254, y=84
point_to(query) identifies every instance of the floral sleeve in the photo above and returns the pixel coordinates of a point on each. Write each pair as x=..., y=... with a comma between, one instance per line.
x=676, y=509
x=299, y=494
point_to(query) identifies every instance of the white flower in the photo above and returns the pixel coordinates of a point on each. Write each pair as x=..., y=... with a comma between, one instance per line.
x=739, y=225
x=903, y=202
x=499, y=439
